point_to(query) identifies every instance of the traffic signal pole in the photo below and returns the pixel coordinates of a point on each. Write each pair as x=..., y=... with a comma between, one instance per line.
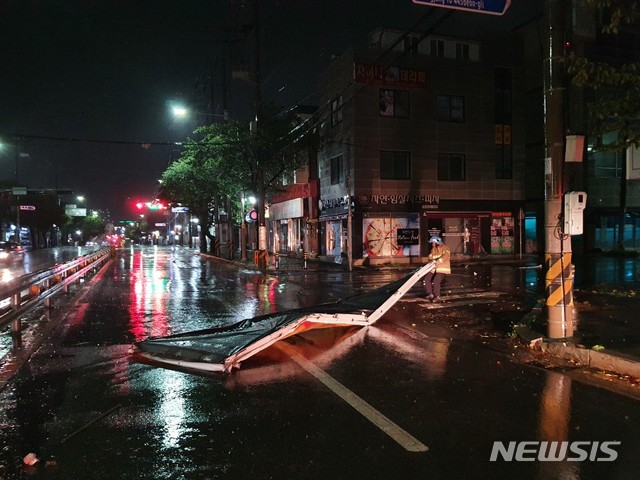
x=559, y=274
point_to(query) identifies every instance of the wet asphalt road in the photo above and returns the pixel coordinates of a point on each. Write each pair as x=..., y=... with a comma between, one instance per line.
x=307, y=411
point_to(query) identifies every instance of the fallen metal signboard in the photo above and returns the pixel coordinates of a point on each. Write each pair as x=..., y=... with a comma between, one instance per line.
x=491, y=7
x=222, y=349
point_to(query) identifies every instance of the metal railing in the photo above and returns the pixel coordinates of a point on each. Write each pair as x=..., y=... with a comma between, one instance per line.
x=21, y=295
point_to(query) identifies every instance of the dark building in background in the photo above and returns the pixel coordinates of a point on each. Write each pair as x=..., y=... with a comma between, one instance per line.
x=293, y=211
x=610, y=178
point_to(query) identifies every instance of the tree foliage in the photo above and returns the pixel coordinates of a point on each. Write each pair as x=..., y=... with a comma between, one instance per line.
x=613, y=108
x=229, y=160
x=618, y=12
x=205, y=174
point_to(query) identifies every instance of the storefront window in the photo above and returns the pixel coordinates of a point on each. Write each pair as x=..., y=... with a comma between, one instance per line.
x=391, y=236
x=501, y=233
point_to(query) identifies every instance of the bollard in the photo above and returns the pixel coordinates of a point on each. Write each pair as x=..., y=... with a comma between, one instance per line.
x=16, y=334
x=304, y=255
x=277, y=260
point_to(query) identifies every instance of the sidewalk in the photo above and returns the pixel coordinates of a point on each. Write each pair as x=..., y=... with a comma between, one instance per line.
x=606, y=334
x=607, y=321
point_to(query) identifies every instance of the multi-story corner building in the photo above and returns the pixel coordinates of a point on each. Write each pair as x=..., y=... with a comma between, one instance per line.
x=422, y=136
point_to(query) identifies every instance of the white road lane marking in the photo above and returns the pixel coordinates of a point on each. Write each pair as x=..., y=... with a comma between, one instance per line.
x=401, y=436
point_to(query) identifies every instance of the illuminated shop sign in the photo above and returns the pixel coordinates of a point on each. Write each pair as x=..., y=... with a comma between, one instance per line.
x=398, y=199
x=390, y=76
x=328, y=203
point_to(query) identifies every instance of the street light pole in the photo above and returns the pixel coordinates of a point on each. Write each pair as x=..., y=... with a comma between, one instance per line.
x=243, y=233
x=260, y=154
x=18, y=228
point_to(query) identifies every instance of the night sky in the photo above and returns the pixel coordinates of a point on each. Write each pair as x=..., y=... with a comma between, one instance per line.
x=85, y=85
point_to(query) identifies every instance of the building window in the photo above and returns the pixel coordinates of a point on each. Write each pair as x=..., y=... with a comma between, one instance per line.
x=394, y=103
x=451, y=167
x=606, y=164
x=395, y=165
x=504, y=162
x=503, y=114
x=462, y=51
x=336, y=111
x=450, y=108
x=436, y=48
x=411, y=45
x=337, y=170
x=503, y=91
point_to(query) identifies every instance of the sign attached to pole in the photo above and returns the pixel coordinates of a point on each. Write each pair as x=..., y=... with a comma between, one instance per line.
x=491, y=7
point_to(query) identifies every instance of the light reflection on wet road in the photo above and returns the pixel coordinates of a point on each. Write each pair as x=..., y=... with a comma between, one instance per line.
x=271, y=419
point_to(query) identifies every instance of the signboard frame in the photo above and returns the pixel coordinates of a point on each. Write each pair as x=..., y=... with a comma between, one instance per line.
x=490, y=7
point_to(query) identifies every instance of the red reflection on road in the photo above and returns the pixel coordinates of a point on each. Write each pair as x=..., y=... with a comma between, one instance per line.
x=147, y=297
x=265, y=292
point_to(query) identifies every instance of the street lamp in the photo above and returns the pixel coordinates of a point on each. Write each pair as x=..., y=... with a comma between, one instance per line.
x=243, y=233
x=181, y=112
x=243, y=226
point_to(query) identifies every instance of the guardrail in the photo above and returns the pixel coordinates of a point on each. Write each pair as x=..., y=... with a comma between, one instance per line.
x=21, y=295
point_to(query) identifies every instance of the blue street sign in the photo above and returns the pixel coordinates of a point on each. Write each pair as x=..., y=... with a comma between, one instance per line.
x=492, y=7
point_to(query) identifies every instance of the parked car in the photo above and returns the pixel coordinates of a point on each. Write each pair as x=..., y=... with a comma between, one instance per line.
x=11, y=252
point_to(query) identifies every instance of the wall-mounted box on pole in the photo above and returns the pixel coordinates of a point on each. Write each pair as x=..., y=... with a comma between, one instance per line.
x=574, y=205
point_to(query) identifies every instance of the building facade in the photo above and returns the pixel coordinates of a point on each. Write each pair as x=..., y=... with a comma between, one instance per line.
x=293, y=213
x=421, y=137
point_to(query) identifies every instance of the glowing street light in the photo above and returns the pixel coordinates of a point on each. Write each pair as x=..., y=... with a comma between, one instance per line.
x=179, y=111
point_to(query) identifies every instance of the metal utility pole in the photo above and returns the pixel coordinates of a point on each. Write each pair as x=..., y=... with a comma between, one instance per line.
x=559, y=276
x=261, y=258
x=349, y=211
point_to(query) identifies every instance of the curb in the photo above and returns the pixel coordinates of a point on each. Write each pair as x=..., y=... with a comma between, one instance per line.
x=270, y=268
x=609, y=362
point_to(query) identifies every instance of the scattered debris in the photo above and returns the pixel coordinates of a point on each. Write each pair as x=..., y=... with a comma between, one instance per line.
x=536, y=343
x=30, y=459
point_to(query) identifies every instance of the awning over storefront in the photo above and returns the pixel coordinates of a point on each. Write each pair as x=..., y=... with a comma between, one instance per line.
x=288, y=209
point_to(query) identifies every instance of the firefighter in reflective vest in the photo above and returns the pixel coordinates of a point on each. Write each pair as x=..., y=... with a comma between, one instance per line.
x=440, y=254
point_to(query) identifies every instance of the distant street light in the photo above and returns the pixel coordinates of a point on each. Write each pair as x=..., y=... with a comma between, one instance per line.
x=182, y=112
x=179, y=111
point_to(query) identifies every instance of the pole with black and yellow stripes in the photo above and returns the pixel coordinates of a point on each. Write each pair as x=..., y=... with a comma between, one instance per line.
x=559, y=274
